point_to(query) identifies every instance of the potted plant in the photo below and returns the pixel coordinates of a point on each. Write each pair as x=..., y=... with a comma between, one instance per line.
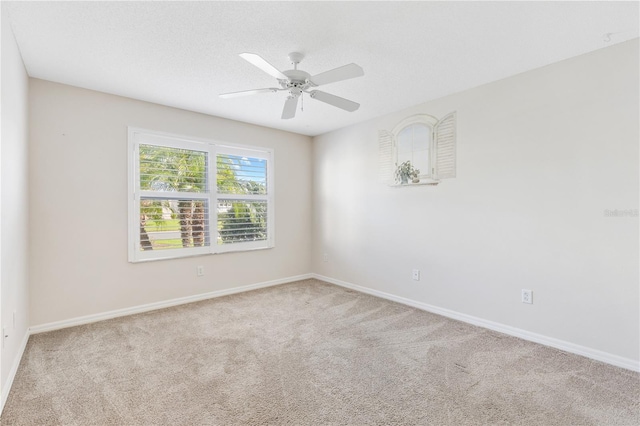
x=405, y=172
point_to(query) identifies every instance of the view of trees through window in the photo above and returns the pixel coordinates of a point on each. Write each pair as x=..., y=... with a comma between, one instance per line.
x=241, y=219
x=181, y=218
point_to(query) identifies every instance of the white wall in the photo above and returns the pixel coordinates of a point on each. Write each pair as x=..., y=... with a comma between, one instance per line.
x=14, y=211
x=541, y=155
x=78, y=172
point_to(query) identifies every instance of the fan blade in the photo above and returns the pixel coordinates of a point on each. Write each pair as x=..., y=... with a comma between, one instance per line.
x=338, y=74
x=334, y=100
x=290, y=106
x=248, y=92
x=265, y=66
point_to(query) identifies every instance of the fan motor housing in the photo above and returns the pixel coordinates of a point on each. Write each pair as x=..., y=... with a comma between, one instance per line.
x=297, y=76
x=298, y=80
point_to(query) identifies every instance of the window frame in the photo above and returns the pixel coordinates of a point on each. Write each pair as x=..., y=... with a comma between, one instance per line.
x=430, y=122
x=245, y=152
x=443, y=157
x=138, y=136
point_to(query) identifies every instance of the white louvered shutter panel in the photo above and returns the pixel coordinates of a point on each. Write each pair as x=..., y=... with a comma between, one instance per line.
x=445, y=147
x=243, y=208
x=172, y=207
x=385, y=152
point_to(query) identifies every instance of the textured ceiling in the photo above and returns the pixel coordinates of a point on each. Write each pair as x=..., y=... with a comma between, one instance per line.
x=183, y=54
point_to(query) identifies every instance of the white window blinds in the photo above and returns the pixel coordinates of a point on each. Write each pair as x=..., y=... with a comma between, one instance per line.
x=195, y=197
x=243, y=199
x=173, y=203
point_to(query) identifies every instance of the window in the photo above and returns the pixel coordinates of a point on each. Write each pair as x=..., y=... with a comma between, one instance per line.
x=420, y=149
x=412, y=145
x=189, y=197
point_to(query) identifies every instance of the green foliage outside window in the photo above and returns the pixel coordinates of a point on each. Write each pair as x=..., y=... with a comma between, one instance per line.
x=178, y=171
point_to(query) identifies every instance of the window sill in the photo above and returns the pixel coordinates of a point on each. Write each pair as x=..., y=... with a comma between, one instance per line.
x=430, y=182
x=169, y=256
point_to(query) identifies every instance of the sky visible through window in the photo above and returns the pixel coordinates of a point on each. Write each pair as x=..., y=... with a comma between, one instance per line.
x=253, y=169
x=246, y=169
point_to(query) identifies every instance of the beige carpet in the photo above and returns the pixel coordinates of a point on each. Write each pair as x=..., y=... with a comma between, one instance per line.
x=308, y=353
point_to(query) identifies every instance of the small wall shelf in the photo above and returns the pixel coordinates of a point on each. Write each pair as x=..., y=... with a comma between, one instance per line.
x=432, y=183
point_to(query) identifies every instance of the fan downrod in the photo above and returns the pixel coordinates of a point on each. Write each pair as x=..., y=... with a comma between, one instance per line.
x=297, y=80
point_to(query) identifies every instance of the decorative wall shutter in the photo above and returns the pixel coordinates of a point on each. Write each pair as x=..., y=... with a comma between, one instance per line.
x=445, y=144
x=385, y=151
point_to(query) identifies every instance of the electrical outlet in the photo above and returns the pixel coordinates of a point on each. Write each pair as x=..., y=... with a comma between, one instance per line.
x=325, y=257
x=200, y=271
x=416, y=274
x=527, y=296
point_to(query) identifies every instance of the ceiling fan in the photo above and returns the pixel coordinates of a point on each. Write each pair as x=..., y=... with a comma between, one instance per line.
x=297, y=82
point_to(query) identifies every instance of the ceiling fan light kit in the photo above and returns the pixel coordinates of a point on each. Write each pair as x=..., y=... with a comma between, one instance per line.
x=296, y=82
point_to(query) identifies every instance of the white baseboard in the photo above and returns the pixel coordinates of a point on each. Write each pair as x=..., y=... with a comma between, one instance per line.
x=57, y=325
x=14, y=369
x=596, y=354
